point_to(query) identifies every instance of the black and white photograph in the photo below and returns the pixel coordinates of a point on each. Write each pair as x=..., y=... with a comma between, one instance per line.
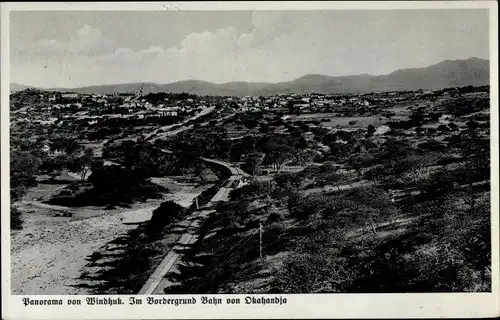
x=182, y=152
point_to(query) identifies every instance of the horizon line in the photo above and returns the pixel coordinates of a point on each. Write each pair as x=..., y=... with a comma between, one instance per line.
x=242, y=81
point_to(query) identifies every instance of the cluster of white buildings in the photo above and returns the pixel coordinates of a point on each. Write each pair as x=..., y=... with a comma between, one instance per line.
x=311, y=101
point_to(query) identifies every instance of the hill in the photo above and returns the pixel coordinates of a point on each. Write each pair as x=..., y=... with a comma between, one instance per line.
x=15, y=87
x=448, y=73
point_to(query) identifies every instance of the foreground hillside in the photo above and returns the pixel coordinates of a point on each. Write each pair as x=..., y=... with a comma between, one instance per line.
x=403, y=210
x=380, y=192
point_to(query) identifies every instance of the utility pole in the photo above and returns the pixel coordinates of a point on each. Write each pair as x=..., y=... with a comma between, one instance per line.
x=260, y=239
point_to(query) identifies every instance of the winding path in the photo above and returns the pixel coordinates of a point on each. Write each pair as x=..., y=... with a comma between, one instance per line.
x=181, y=126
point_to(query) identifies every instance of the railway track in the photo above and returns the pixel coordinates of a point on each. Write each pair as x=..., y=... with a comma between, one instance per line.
x=157, y=282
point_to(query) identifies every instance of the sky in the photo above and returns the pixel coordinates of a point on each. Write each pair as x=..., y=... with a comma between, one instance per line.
x=51, y=49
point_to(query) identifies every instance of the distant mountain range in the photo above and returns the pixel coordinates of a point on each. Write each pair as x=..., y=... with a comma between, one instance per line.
x=448, y=73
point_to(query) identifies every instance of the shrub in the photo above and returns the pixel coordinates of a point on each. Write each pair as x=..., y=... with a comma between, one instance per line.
x=288, y=181
x=302, y=208
x=452, y=126
x=165, y=214
x=74, y=186
x=274, y=217
x=249, y=191
x=419, y=130
x=443, y=128
x=65, y=193
x=431, y=145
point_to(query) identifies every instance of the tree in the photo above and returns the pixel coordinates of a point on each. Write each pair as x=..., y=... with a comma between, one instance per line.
x=375, y=173
x=250, y=123
x=298, y=207
x=334, y=179
x=304, y=157
x=264, y=129
x=452, y=126
x=370, y=131
x=15, y=219
x=72, y=146
x=371, y=203
x=68, y=145
x=198, y=169
x=416, y=118
x=253, y=162
x=54, y=165
x=24, y=167
x=279, y=156
x=358, y=163
x=329, y=174
x=443, y=128
x=437, y=184
x=83, y=164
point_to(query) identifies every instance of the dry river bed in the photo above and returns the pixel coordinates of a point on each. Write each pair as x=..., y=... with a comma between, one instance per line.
x=48, y=254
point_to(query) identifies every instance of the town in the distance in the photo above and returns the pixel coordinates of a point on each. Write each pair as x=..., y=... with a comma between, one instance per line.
x=153, y=192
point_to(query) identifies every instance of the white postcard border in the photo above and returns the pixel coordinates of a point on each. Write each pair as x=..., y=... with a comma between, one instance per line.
x=458, y=305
